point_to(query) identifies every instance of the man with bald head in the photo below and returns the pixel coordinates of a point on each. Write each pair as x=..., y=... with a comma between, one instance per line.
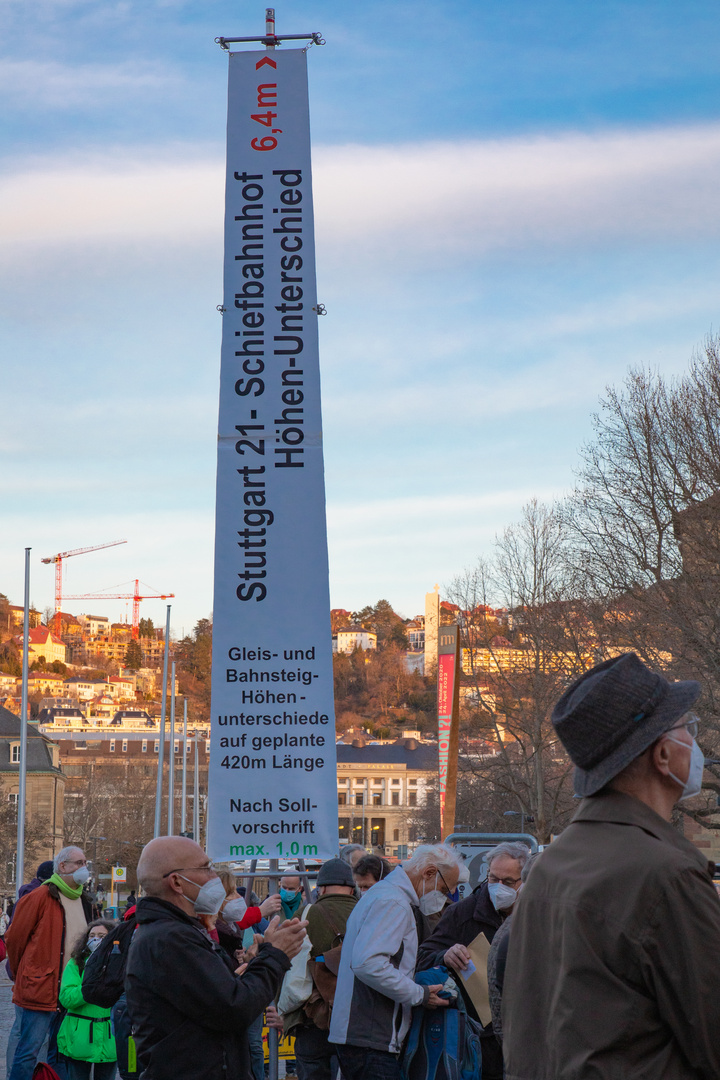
x=47, y=923
x=190, y=1008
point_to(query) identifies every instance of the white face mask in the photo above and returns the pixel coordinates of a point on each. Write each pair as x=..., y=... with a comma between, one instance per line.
x=693, y=784
x=93, y=943
x=234, y=910
x=81, y=875
x=433, y=901
x=502, y=896
x=210, y=898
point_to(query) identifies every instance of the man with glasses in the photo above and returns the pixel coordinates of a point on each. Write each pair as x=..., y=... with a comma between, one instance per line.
x=480, y=913
x=376, y=989
x=189, y=1005
x=612, y=965
x=47, y=923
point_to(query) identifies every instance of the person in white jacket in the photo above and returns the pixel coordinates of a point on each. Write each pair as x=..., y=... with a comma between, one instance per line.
x=376, y=990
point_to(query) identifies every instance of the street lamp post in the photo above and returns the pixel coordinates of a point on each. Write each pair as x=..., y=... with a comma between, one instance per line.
x=521, y=815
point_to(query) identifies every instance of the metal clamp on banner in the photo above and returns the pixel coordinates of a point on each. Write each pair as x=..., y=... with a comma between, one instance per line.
x=271, y=42
x=270, y=38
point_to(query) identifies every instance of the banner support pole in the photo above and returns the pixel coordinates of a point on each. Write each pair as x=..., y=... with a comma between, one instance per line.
x=161, y=746
x=22, y=767
x=171, y=755
x=183, y=808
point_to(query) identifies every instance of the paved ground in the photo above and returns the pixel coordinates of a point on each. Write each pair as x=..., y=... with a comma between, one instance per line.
x=7, y=1014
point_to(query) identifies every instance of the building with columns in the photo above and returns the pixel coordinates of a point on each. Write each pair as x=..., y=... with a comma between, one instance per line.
x=379, y=785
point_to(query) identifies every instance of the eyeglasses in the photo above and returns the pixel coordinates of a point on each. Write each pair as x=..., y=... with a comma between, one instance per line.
x=449, y=890
x=190, y=869
x=692, y=726
x=509, y=881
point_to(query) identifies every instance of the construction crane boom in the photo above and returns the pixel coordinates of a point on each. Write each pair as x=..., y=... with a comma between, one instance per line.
x=135, y=596
x=58, y=560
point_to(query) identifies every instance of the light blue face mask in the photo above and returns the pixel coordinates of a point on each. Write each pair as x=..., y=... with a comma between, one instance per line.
x=693, y=784
x=287, y=895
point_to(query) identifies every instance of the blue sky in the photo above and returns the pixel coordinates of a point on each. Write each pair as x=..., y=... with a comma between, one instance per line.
x=514, y=203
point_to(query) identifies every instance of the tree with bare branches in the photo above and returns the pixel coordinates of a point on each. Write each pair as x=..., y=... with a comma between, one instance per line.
x=644, y=524
x=511, y=758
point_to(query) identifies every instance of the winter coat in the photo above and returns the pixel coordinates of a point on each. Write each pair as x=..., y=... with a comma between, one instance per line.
x=375, y=988
x=612, y=968
x=460, y=924
x=36, y=947
x=189, y=1011
x=85, y=1032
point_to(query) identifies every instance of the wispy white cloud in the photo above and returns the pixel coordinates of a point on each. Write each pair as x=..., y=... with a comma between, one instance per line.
x=443, y=199
x=52, y=85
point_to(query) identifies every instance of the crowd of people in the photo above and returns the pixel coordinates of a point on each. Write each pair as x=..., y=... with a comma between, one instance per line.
x=595, y=959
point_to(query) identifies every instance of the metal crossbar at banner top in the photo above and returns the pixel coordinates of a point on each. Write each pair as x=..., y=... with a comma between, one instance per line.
x=275, y=39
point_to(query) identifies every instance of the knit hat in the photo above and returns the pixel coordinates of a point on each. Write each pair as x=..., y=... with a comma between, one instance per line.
x=45, y=870
x=613, y=713
x=335, y=872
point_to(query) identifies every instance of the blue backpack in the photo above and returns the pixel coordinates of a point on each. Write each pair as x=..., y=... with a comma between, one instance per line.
x=443, y=1044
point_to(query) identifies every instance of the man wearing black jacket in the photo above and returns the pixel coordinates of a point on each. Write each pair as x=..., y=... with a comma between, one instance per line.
x=460, y=925
x=189, y=1006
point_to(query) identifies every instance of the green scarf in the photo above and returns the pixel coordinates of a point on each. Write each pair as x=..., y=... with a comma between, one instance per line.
x=72, y=892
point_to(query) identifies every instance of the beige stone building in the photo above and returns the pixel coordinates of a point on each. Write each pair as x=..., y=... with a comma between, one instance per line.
x=379, y=787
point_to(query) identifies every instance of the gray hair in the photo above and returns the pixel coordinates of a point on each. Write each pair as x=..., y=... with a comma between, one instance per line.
x=513, y=849
x=441, y=855
x=525, y=872
x=64, y=856
x=346, y=852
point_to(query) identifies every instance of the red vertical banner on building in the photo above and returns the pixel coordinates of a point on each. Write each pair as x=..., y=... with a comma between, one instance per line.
x=448, y=698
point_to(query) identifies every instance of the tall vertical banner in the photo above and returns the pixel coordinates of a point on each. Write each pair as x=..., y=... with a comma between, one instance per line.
x=448, y=710
x=272, y=781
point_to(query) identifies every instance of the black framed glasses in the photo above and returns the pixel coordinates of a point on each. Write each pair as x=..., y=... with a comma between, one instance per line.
x=509, y=881
x=449, y=890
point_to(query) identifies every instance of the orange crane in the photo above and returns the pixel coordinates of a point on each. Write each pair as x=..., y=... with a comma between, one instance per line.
x=58, y=560
x=135, y=596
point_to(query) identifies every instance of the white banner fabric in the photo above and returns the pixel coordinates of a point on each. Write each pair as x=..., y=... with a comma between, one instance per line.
x=272, y=783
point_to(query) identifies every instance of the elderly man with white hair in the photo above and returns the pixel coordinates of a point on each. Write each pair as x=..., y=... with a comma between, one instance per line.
x=480, y=913
x=376, y=989
x=46, y=924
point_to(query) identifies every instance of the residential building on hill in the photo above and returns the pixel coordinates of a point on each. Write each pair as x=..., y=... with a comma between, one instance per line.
x=46, y=682
x=354, y=637
x=16, y=617
x=93, y=625
x=42, y=642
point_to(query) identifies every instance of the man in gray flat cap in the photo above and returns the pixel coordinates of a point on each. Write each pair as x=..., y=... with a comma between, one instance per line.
x=613, y=967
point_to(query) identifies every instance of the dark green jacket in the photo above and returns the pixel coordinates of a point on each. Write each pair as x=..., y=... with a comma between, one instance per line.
x=320, y=931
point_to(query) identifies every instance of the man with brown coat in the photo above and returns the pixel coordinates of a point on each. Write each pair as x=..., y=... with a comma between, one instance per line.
x=46, y=924
x=612, y=967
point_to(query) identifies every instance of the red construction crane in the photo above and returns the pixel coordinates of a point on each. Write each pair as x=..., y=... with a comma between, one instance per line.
x=58, y=560
x=135, y=596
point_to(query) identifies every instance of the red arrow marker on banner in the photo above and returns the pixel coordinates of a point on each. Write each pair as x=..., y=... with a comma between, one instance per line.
x=265, y=60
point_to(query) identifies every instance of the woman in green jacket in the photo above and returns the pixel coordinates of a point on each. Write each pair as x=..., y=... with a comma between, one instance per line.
x=85, y=1038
